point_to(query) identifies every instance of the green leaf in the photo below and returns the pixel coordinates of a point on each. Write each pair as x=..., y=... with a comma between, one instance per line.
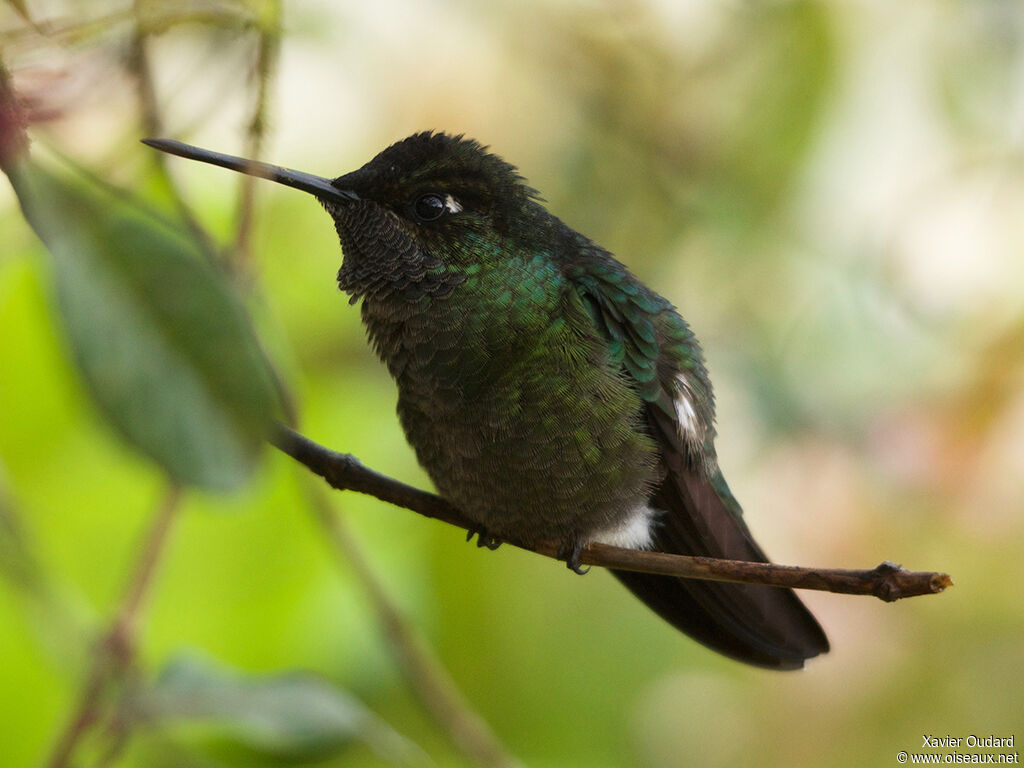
x=164, y=346
x=293, y=715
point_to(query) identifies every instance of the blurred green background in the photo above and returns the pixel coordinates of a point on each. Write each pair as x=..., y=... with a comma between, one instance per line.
x=831, y=194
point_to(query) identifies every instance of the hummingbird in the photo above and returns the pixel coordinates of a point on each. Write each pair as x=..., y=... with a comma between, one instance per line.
x=550, y=395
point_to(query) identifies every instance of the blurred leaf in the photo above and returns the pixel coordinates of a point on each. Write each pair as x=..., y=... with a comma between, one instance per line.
x=292, y=715
x=164, y=346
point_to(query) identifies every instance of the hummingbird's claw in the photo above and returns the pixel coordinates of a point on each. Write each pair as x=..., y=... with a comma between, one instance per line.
x=572, y=553
x=483, y=538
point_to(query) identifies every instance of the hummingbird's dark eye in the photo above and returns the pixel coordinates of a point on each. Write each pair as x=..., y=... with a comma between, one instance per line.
x=430, y=207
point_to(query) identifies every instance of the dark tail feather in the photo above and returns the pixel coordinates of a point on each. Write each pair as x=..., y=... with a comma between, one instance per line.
x=764, y=626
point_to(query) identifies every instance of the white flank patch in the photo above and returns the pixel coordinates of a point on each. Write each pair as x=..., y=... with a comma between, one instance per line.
x=453, y=205
x=689, y=424
x=632, y=533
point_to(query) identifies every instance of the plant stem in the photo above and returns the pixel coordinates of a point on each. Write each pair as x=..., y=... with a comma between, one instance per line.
x=428, y=679
x=115, y=651
x=267, y=50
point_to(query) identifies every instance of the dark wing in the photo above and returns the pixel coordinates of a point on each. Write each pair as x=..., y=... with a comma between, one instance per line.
x=764, y=626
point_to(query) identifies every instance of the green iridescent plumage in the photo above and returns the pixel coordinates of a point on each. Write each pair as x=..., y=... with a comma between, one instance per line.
x=549, y=393
x=525, y=368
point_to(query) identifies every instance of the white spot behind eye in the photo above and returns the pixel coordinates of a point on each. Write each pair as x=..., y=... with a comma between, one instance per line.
x=451, y=204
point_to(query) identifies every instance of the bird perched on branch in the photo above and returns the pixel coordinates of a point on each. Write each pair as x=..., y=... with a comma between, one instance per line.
x=550, y=395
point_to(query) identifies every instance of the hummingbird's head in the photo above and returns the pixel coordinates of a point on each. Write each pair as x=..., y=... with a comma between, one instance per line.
x=416, y=216
x=439, y=181
x=432, y=202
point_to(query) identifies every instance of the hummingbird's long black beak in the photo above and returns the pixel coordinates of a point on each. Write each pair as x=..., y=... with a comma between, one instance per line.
x=307, y=182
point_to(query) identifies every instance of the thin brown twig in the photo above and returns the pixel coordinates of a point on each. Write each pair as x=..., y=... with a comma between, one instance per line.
x=63, y=30
x=115, y=652
x=267, y=50
x=428, y=679
x=152, y=125
x=887, y=582
x=69, y=30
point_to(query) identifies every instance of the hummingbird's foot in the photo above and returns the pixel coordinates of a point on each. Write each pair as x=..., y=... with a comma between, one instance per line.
x=483, y=538
x=572, y=553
